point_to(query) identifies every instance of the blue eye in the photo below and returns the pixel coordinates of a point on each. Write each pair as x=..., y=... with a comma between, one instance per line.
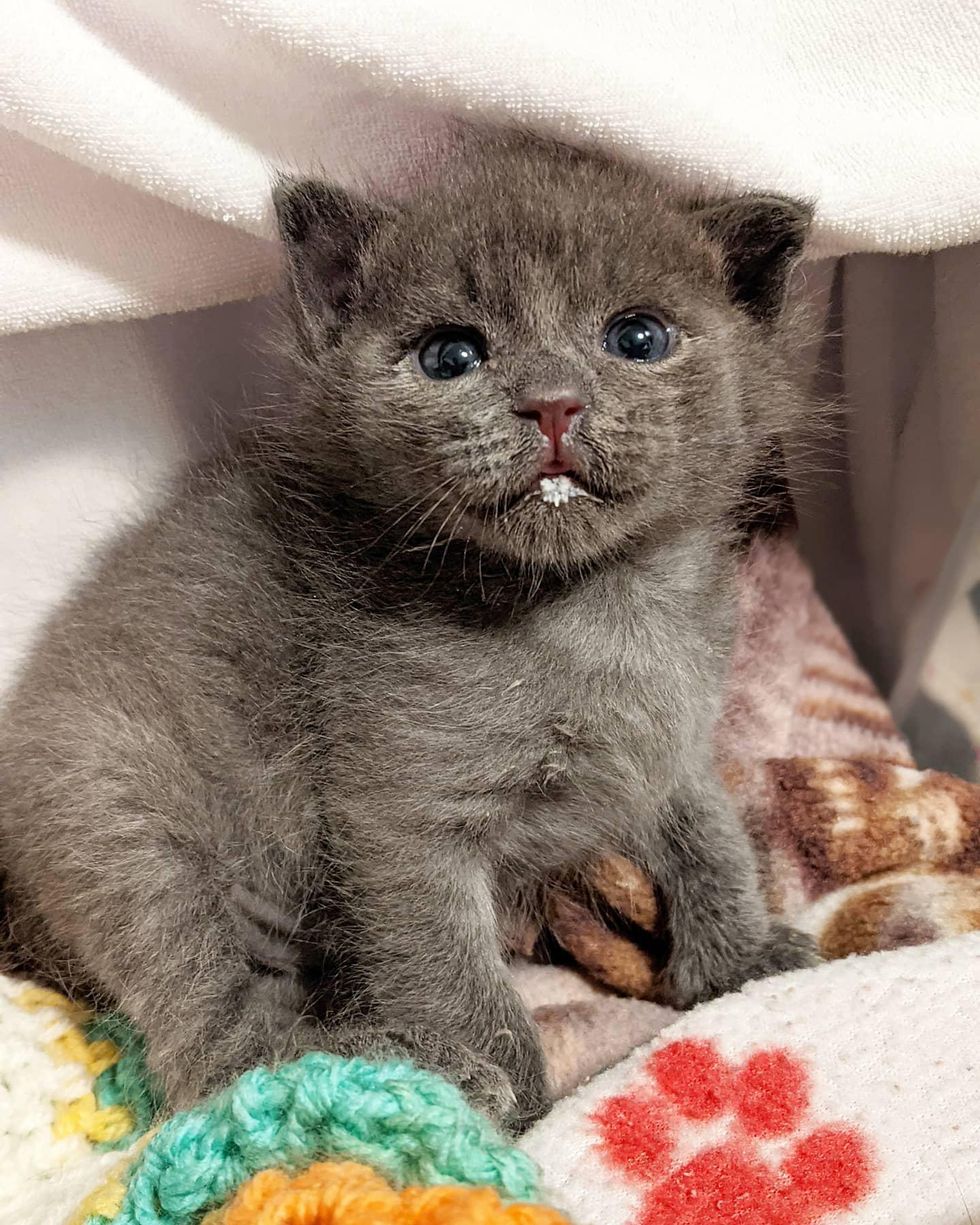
x=449, y=352
x=637, y=337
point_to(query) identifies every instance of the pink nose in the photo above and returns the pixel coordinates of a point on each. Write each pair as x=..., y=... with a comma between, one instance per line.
x=553, y=414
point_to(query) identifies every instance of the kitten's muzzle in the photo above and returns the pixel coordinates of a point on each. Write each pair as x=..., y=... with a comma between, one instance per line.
x=554, y=415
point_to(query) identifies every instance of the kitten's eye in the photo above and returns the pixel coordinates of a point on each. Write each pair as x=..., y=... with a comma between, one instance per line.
x=639, y=337
x=449, y=352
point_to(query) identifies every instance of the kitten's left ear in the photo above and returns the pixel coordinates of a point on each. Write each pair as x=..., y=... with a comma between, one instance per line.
x=325, y=232
x=762, y=238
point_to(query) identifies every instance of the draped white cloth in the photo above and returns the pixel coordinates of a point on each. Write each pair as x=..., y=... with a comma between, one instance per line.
x=137, y=139
x=137, y=135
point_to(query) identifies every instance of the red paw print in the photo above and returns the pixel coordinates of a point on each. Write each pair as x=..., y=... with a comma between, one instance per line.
x=719, y=1143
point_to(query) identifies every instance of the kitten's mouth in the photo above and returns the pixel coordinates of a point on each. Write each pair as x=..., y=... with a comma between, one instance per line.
x=558, y=467
x=554, y=489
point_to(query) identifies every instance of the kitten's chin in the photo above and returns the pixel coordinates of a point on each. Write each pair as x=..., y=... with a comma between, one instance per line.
x=560, y=522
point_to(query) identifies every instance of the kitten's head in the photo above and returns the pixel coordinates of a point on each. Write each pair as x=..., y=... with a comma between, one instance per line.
x=539, y=313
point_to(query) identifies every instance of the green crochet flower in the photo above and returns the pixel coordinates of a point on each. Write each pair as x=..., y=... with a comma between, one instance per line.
x=410, y=1125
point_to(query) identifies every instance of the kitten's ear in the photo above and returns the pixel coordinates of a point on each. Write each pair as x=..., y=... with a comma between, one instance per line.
x=324, y=231
x=762, y=238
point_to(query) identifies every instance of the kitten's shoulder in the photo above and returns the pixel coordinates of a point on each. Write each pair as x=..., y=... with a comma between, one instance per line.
x=196, y=576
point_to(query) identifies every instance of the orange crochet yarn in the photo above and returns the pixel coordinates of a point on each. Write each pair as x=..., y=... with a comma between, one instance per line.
x=344, y=1193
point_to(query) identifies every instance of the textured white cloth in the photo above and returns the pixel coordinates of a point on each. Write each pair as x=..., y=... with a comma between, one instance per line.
x=136, y=142
x=147, y=127
x=877, y=1053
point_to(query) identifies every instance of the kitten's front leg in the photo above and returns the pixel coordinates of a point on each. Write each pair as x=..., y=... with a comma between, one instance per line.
x=171, y=953
x=433, y=966
x=721, y=932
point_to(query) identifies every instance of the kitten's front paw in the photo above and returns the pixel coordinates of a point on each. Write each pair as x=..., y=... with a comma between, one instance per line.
x=486, y=1086
x=514, y=1102
x=533, y=1103
x=484, y=1083
x=705, y=972
x=785, y=949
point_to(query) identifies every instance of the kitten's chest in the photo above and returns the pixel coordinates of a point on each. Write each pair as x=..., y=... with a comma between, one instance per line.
x=575, y=713
x=599, y=704
x=610, y=705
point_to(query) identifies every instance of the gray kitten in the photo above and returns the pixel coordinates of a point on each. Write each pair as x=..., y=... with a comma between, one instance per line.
x=457, y=619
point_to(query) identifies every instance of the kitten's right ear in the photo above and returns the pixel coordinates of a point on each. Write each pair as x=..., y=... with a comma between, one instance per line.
x=762, y=238
x=324, y=231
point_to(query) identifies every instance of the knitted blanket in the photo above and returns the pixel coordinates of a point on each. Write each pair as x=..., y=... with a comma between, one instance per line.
x=851, y=1088
x=858, y=847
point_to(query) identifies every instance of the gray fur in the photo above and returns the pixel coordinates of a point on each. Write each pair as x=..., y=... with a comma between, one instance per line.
x=278, y=769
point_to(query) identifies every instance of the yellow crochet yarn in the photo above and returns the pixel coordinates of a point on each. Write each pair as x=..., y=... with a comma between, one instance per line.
x=34, y=998
x=85, y=1116
x=344, y=1193
x=73, y=1047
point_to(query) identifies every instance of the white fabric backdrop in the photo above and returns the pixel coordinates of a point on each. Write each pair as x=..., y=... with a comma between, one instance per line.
x=885, y=503
x=147, y=127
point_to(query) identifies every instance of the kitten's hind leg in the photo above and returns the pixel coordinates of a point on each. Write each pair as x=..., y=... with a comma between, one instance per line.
x=210, y=982
x=208, y=1009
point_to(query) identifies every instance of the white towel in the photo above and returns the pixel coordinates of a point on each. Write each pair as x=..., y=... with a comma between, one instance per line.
x=137, y=135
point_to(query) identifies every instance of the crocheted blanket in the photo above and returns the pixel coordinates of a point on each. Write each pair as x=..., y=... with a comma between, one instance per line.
x=847, y=1092
x=851, y=1088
